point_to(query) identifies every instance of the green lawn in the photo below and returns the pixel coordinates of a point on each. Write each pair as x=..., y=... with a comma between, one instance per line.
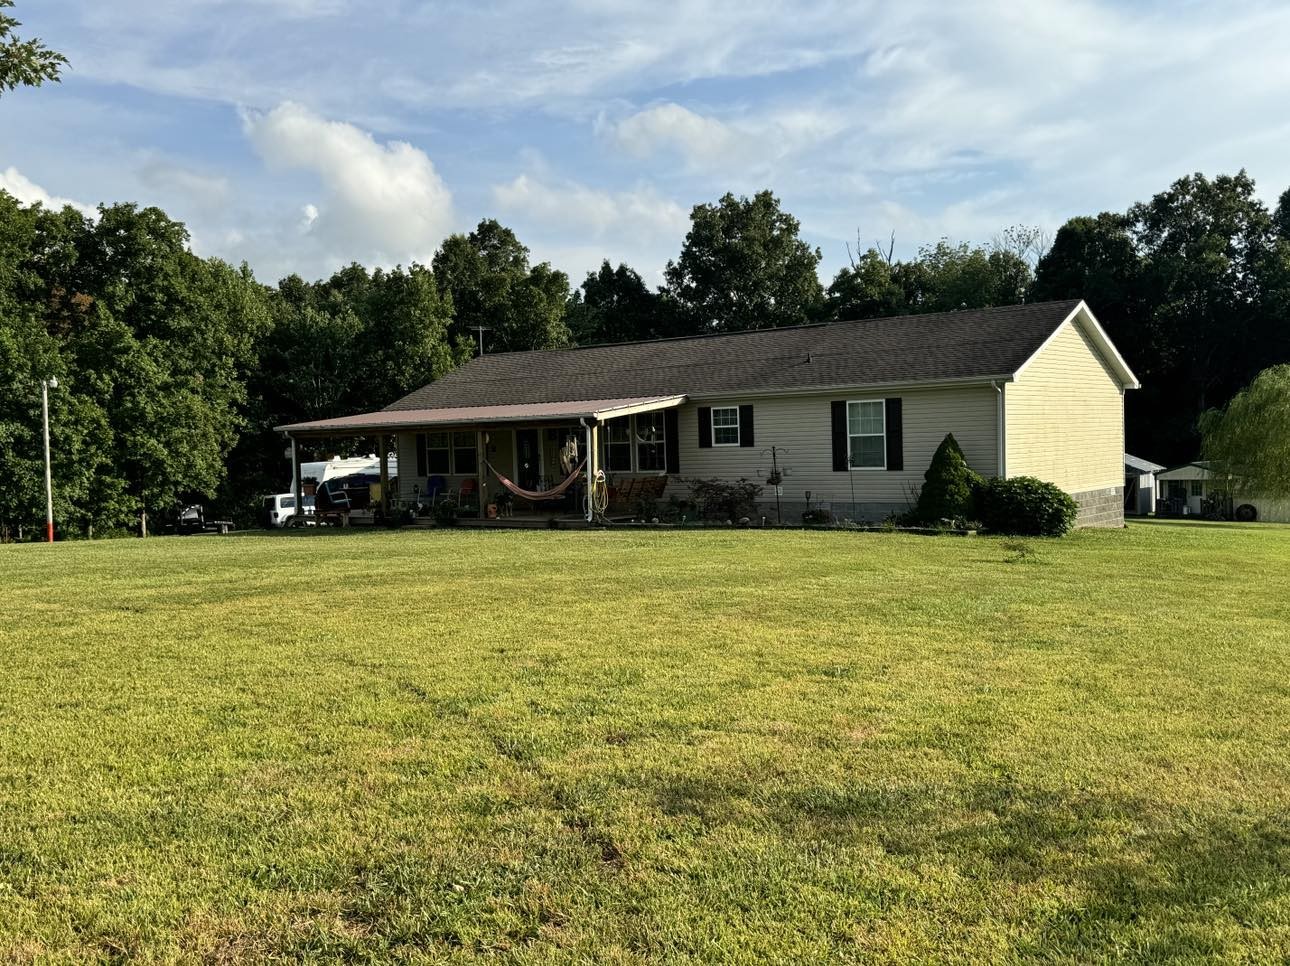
x=618, y=746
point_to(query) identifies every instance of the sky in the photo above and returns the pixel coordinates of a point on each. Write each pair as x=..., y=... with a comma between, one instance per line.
x=302, y=135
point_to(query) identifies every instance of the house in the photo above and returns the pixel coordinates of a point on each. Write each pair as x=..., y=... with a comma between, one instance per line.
x=1184, y=489
x=1140, y=485
x=853, y=410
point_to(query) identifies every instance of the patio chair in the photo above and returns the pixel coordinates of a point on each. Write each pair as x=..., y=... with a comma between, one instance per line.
x=469, y=490
x=435, y=487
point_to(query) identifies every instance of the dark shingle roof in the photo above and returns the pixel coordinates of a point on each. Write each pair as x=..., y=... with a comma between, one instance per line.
x=972, y=343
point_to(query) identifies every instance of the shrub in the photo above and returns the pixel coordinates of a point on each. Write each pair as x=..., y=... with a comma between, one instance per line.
x=1026, y=506
x=445, y=513
x=725, y=501
x=949, y=487
x=816, y=517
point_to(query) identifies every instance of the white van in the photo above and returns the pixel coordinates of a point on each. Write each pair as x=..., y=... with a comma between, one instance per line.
x=280, y=510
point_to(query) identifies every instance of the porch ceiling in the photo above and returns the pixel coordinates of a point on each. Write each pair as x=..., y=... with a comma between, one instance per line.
x=393, y=420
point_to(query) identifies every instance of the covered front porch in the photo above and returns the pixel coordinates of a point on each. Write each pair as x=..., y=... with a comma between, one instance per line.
x=506, y=465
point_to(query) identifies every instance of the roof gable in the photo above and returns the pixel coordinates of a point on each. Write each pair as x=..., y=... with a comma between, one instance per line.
x=973, y=344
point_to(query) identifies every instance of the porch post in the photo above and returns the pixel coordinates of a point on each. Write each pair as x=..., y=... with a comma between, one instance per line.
x=384, y=453
x=297, y=485
x=481, y=455
x=591, y=467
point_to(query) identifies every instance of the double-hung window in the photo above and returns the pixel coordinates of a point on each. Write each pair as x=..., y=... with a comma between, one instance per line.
x=617, y=442
x=651, y=442
x=867, y=434
x=725, y=425
x=438, y=454
x=464, y=458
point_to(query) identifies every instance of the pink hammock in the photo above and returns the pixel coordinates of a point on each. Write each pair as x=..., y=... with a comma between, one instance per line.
x=537, y=496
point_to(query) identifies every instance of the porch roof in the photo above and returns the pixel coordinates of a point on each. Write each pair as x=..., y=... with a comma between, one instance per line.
x=387, y=420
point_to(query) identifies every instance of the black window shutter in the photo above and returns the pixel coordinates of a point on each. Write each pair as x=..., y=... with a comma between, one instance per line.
x=839, y=407
x=745, y=426
x=705, y=427
x=672, y=441
x=895, y=435
x=422, y=469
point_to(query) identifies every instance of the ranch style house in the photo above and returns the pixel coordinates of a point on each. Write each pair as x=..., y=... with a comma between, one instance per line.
x=852, y=410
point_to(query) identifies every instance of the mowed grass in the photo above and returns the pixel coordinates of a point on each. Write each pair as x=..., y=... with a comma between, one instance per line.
x=727, y=746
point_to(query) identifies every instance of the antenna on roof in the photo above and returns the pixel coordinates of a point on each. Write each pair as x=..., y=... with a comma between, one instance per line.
x=481, y=329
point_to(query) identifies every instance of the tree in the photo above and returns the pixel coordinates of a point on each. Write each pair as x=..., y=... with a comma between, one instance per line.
x=1194, y=287
x=949, y=485
x=744, y=266
x=615, y=305
x=488, y=278
x=943, y=277
x=870, y=288
x=1249, y=441
x=151, y=346
x=25, y=63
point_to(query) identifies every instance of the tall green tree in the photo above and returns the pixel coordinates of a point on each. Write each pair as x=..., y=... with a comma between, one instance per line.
x=1194, y=287
x=942, y=278
x=615, y=305
x=487, y=276
x=151, y=346
x=1249, y=440
x=24, y=63
x=744, y=266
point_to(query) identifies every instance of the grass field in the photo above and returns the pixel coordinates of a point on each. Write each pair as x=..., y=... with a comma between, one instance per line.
x=613, y=747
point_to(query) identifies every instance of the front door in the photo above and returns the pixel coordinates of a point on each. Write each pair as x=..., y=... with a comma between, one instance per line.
x=528, y=458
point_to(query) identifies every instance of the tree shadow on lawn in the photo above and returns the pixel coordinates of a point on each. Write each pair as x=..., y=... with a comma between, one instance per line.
x=1145, y=882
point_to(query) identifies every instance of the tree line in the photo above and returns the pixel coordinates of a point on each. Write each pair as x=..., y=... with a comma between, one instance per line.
x=173, y=368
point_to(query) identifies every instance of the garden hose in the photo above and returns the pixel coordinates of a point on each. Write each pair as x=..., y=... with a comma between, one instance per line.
x=599, y=496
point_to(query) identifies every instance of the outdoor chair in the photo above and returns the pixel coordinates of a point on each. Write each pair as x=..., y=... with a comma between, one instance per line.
x=435, y=487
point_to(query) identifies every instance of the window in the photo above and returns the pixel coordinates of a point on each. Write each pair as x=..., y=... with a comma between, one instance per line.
x=725, y=426
x=867, y=434
x=1177, y=490
x=1197, y=488
x=617, y=441
x=651, y=442
x=465, y=461
x=438, y=454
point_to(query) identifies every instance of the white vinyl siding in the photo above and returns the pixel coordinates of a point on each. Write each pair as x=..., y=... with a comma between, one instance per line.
x=801, y=428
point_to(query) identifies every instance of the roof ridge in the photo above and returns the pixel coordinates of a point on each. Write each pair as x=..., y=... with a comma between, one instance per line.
x=783, y=328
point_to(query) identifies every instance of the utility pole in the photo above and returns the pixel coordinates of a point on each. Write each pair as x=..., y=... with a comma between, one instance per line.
x=45, y=386
x=481, y=329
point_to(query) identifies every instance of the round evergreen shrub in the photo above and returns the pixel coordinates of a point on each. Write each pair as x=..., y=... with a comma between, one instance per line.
x=1026, y=506
x=949, y=486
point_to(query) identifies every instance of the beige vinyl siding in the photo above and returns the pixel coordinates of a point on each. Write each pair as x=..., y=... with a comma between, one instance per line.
x=802, y=427
x=1064, y=416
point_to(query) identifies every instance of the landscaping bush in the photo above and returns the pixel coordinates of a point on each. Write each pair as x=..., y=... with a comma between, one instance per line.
x=1026, y=506
x=949, y=487
x=445, y=513
x=725, y=501
x=816, y=517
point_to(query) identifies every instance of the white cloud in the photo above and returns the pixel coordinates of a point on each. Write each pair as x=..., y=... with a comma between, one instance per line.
x=698, y=138
x=209, y=191
x=381, y=202
x=29, y=193
x=572, y=205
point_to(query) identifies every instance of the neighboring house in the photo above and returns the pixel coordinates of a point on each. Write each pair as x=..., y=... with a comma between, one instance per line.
x=1140, y=485
x=854, y=410
x=1191, y=484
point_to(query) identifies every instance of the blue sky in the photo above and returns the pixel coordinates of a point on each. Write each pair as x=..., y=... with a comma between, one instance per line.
x=301, y=135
